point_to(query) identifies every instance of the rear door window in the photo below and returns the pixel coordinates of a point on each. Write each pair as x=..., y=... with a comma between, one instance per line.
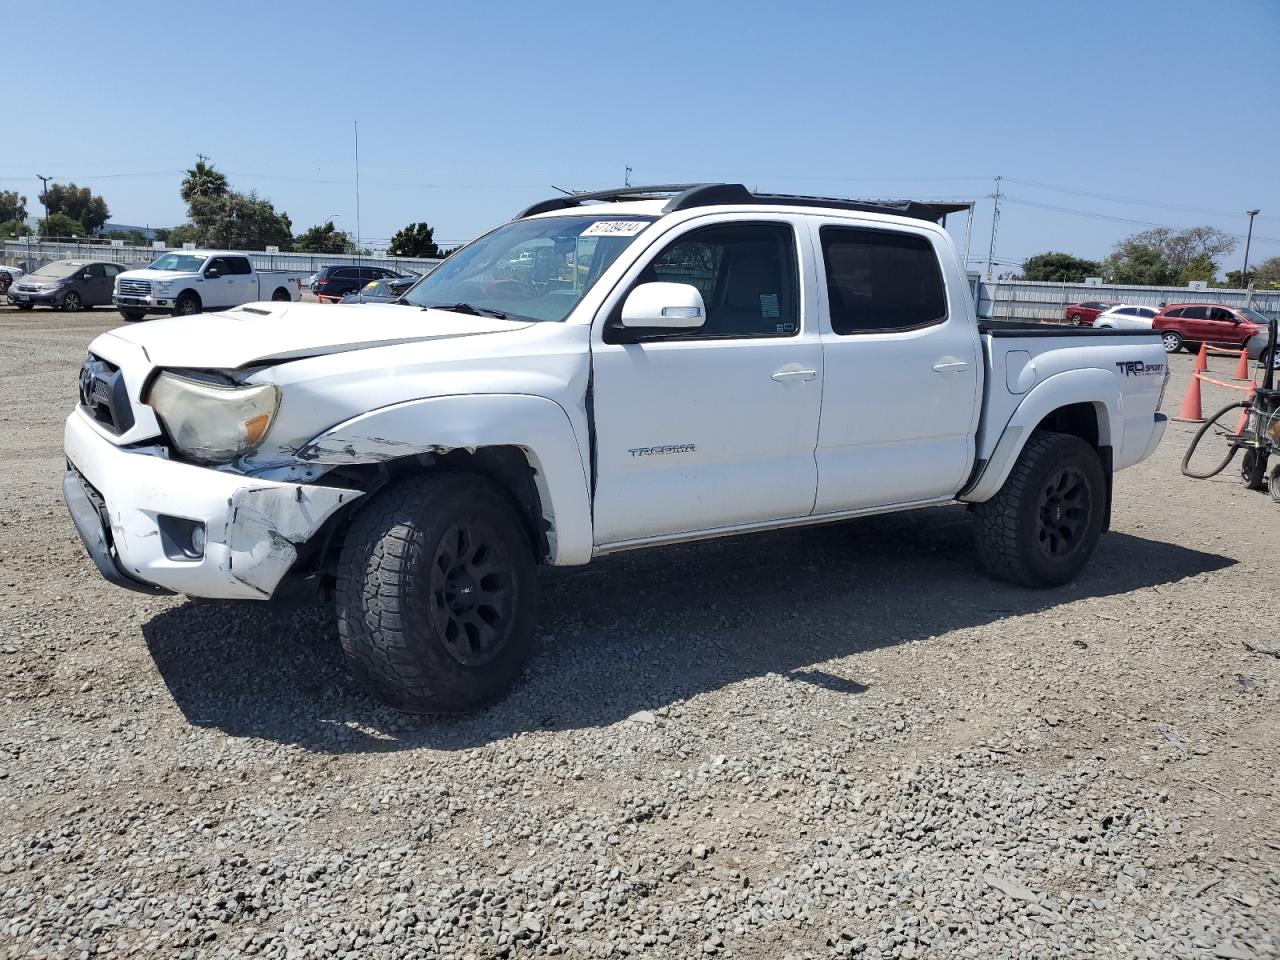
x=879, y=281
x=1194, y=313
x=239, y=265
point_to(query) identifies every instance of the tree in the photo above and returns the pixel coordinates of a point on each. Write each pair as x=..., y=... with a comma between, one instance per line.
x=203, y=180
x=1162, y=256
x=61, y=225
x=78, y=203
x=240, y=221
x=186, y=233
x=415, y=240
x=1059, y=268
x=13, y=228
x=323, y=239
x=12, y=206
x=1265, y=276
x=1200, y=268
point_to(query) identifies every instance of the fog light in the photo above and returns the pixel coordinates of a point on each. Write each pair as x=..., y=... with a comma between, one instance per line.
x=181, y=538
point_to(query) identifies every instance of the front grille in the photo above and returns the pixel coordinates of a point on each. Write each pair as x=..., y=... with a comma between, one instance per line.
x=134, y=288
x=103, y=394
x=26, y=288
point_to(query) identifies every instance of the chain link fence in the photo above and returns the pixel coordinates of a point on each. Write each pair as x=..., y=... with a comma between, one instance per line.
x=31, y=253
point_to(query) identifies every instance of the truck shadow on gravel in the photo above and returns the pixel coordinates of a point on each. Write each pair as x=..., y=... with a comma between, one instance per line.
x=642, y=630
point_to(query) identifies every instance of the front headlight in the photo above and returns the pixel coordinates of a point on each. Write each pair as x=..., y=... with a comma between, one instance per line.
x=213, y=423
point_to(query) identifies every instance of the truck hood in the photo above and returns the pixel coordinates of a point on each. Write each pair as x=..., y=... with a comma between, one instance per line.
x=267, y=332
x=146, y=273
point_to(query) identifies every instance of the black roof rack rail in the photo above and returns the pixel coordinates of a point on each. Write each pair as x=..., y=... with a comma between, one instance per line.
x=568, y=201
x=690, y=195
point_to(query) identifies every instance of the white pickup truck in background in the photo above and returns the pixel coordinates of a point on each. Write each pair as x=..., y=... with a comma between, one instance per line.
x=183, y=282
x=605, y=372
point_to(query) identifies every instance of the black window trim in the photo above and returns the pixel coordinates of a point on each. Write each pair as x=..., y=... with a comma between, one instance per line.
x=616, y=334
x=946, y=298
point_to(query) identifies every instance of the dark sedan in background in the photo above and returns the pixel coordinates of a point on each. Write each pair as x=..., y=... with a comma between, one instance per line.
x=66, y=285
x=381, y=291
x=331, y=284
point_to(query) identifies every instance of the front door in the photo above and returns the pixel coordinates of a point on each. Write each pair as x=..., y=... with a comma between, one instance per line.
x=713, y=427
x=1224, y=326
x=901, y=364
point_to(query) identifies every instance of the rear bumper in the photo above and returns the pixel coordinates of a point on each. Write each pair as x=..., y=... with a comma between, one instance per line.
x=126, y=502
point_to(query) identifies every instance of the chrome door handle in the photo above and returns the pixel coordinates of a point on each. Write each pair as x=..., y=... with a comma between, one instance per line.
x=946, y=366
x=784, y=375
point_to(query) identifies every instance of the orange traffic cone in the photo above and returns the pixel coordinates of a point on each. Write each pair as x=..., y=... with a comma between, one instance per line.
x=1190, y=412
x=1202, y=359
x=1242, y=368
x=1244, y=414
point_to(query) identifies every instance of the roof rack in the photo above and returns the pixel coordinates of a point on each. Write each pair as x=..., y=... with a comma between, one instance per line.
x=685, y=196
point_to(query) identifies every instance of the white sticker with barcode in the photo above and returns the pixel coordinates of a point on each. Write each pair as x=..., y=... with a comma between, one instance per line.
x=615, y=228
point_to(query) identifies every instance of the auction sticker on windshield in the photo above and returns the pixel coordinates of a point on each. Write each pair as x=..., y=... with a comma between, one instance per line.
x=614, y=228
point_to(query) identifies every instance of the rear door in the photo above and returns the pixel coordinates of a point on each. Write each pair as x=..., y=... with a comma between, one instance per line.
x=901, y=368
x=1195, y=324
x=110, y=271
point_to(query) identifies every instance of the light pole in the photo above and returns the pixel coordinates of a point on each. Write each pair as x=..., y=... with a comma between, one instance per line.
x=1244, y=273
x=44, y=198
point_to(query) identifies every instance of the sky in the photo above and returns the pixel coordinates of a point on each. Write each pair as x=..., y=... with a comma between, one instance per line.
x=1103, y=118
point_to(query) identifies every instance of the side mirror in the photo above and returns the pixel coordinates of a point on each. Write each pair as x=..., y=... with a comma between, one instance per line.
x=212, y=273
x=85, y=276
x=664, y=306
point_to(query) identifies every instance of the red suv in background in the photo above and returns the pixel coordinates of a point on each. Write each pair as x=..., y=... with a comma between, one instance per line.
x=1083, y=314
x=1190, y=324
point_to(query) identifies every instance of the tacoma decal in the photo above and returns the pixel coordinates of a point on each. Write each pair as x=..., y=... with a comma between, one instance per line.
x=664, y=448
x=1137, y=368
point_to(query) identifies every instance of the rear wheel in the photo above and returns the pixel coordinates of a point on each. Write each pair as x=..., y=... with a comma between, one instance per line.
x=1273, y=483
x=280, y=294
x=1172, y=341
x=1043, y=525
x=1190, y=346
x=436, y=593
x=1253, y=469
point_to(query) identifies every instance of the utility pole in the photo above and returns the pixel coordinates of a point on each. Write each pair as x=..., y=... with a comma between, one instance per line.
x=355, y=126
x=1244, y=273
x=44, y=198
x=995, y=222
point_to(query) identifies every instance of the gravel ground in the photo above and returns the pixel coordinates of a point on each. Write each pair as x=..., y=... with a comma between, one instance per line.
x=839, y=741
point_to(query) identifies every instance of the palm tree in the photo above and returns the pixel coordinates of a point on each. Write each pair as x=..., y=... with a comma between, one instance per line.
x=203, y=180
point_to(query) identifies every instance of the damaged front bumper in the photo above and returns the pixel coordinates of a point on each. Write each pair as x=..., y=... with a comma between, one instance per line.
x=137, y=511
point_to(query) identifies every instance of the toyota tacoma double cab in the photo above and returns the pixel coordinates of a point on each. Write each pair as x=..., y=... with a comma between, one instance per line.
x=185, y=282
x=605, y=372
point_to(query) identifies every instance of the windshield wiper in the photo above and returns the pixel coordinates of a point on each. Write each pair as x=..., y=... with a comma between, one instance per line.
x=467, y=309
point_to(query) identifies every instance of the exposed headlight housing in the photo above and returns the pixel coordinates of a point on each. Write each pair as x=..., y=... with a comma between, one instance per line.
x=211, y=422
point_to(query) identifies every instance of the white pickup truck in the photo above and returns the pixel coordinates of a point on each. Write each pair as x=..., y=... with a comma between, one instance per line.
x=184, y=282
x=605, y=372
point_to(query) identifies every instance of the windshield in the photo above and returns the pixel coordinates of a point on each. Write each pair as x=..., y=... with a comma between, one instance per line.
x=59, y=268
x=178, y=262
x=1255, y=316
x=529, y=270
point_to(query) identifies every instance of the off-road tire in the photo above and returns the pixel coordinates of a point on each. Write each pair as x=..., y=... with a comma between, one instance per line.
x=397, y=620
x=1010, y=526
x=133, y=316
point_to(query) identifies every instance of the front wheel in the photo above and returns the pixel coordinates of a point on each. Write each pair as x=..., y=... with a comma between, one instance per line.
x=436, y=593
x=24, y=306
x=71, y=302
x=132, y=316
x=1043, y=525
x=187, y=305
x=1273, y=483
x=1172, y=341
